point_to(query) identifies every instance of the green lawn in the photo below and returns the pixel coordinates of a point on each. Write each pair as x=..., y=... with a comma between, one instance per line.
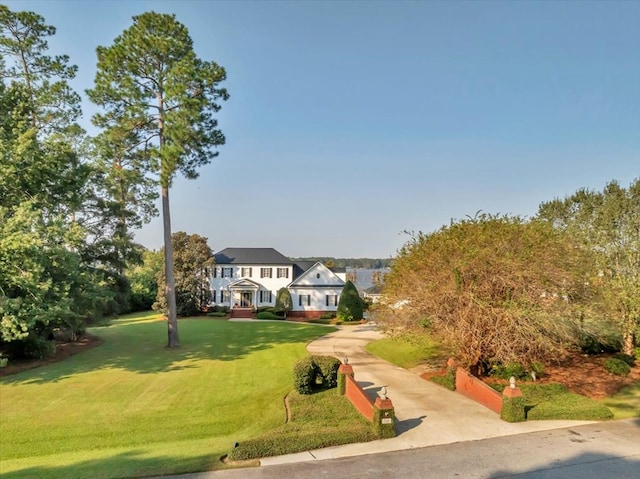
x=407, y=352
x=626, y=403
x=132, y=407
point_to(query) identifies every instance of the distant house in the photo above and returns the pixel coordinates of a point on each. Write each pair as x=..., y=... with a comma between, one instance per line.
x=248, y=278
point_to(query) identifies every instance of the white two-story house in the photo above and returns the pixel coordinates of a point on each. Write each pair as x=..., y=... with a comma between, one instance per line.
x=251, y=278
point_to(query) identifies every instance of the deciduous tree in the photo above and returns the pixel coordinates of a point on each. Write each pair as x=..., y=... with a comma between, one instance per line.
x=193, y=258
x=154, y=88
x=494, y=289
x=607, y=225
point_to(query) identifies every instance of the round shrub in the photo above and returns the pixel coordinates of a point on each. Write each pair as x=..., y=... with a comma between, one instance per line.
x=328, y=369
x=627, y=358
x=617, y=367
x=305, y=372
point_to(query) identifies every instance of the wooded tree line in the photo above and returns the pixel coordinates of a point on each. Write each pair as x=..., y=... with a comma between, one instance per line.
x=69, y=203
x=367, y=263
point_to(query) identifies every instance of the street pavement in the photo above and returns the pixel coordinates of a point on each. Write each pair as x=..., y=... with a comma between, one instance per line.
x=607, y=450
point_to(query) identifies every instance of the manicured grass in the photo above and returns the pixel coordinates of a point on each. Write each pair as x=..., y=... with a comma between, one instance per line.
x=555, y=401
x=626, y=403
x=317, y=420
x=407, y=352
x=132, y=408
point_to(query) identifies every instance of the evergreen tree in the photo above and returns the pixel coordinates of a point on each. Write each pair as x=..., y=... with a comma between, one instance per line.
x=153, y=88
x=350, y=304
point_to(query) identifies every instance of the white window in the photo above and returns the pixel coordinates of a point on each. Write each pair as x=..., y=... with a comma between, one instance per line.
x=245, y=272
x=331, y=300
x=227, y=272
x=225, y=296
x=304, y=300
x=282, y=273
x=213, y=296
x=266, y=272
x=265, y=296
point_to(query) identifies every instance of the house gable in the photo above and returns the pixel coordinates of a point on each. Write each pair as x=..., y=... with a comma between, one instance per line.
x=317, y=276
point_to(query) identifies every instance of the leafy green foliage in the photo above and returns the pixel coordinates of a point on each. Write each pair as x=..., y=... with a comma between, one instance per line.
x=607, y=225
x=315, y=372
x=627, y=358
x=192, y=257
x=47, y=280
x=305, y=372
x=492, y=289
x=328, y=370
x=350, y=305
x=617, y=367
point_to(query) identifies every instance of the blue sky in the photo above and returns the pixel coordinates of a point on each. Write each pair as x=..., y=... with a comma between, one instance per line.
x=350, y=122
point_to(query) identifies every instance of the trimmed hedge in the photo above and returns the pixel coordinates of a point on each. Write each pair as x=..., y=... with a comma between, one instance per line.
x=328, y=367
x=319, y=420
x=513, y=409
x=305, y=372
x=269, y=315
x=314, y=372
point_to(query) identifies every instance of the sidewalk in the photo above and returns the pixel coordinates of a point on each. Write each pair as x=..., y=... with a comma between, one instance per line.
x=426, y=414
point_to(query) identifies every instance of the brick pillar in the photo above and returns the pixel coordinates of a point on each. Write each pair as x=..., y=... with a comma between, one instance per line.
x=512, y=405
x=384, y=418
x=343, y=370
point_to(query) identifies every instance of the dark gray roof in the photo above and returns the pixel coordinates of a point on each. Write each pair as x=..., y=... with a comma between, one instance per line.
x=300, y=267
x=251, y=256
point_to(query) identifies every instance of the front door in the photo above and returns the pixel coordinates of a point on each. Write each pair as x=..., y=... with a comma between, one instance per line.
x=245, y=299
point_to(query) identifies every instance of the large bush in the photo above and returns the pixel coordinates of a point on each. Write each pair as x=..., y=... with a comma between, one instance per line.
x=493, y=289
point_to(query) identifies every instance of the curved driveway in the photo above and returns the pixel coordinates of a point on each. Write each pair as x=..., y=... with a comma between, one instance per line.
x=427, y=414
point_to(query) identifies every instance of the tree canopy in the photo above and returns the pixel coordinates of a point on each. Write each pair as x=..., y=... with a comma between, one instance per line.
x=607, y=225
x=494, y=289
x=193, y=257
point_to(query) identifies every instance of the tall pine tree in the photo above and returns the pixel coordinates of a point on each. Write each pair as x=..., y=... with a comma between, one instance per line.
x=154, y=88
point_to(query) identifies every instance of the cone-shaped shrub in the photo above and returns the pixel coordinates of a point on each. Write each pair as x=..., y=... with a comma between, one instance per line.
x=350, y=306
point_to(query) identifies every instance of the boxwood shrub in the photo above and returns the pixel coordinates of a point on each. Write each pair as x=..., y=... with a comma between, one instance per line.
x=315, y=372
x=328, y=369
x=305, y=372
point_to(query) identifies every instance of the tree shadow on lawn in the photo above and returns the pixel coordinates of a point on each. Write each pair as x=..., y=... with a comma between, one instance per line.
x=141, y=348
x=126, y=464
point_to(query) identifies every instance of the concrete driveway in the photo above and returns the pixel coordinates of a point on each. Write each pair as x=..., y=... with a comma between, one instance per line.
x=427, y=414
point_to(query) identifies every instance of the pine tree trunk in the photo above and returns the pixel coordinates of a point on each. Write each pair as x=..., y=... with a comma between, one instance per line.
x=172, y=317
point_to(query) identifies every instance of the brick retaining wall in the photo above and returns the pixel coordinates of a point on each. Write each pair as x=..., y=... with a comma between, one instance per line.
x=473, y=388
x=358, y=397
